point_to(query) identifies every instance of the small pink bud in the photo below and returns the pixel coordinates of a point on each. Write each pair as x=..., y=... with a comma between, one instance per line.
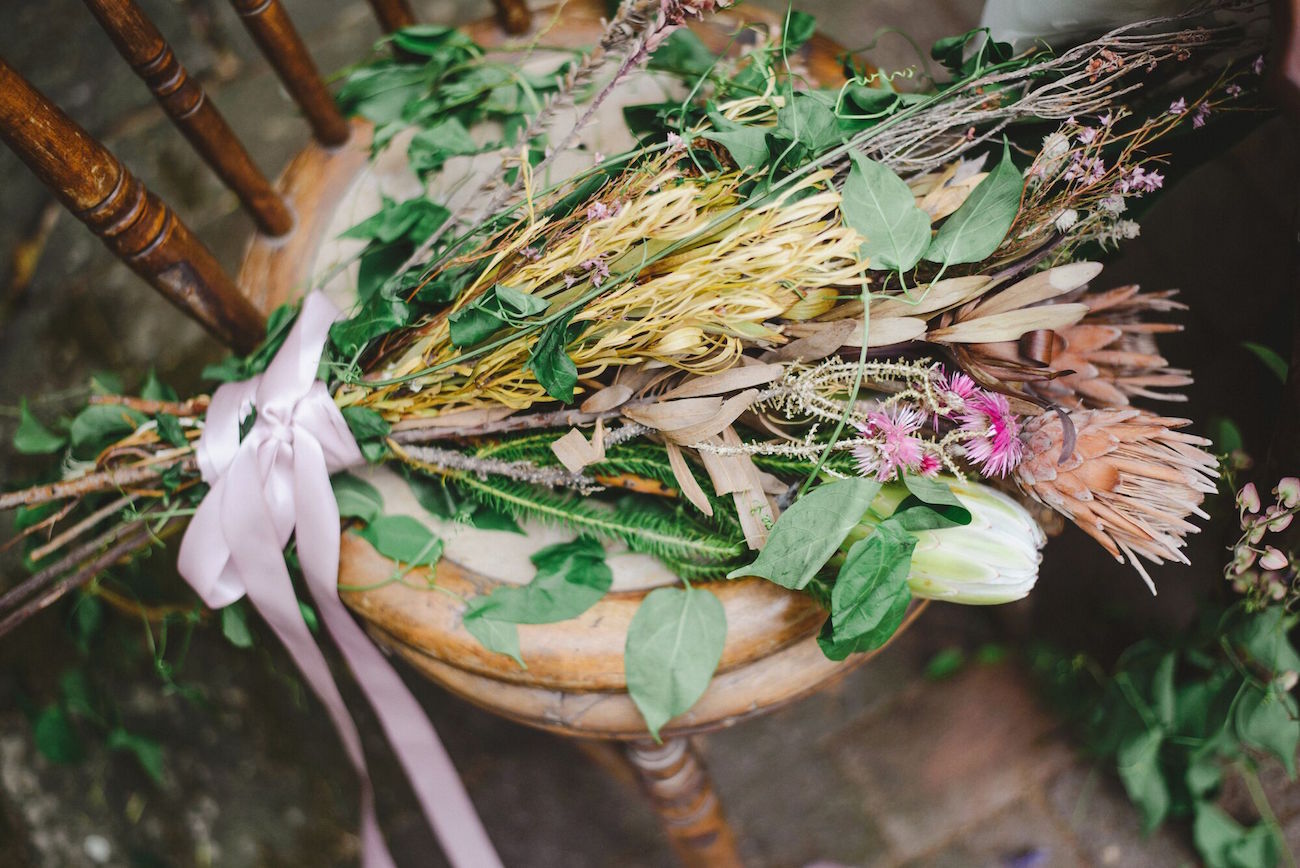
x=1288, y=491
x=1248, y=498
x=1273, y=559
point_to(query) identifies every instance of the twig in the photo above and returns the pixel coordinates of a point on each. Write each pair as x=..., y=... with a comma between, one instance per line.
x=36, y=581
x=191, y=407
x=139, y=539
x=106, y=480
x=85, y=524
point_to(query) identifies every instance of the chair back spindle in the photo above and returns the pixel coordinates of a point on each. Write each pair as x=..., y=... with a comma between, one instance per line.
x=393, y=14
x=283, y=48
x=513, y=16
x=134, y=223
x=143, y=46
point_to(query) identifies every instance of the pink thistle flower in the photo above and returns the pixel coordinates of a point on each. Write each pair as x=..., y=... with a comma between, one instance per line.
x=1202, y=112
x=894, y=447
x=995, y=449
x=1178, y=106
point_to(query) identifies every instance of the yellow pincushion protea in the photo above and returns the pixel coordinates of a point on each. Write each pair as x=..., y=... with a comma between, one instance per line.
x=736, y=277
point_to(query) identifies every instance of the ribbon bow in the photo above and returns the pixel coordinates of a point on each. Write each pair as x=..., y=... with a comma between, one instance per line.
x=273, y=483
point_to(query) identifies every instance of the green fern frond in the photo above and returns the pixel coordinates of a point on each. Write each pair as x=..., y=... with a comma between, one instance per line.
x=683, y=544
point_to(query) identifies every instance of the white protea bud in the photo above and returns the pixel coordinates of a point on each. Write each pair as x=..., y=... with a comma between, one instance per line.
x=992, y=560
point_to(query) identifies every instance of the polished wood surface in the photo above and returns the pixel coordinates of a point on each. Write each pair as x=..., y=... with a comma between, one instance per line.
x=279, y=270
x=143, y=46
x=393, y=14
x=134, y=223
x=283, y=48
x=674, y=778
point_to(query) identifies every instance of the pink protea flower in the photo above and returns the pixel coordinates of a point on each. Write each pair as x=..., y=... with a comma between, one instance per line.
x=894, y=446
x=995, y=448
x=957, y=385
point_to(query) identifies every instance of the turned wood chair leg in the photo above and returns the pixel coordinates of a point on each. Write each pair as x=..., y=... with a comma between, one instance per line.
x=674, y=777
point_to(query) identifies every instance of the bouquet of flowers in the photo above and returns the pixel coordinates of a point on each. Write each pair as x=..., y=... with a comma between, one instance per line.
x=846, y=336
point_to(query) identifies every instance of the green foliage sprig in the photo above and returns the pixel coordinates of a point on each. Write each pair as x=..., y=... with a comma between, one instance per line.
x=1173, y=716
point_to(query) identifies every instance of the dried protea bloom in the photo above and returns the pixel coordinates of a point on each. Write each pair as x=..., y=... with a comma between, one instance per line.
x=1104, y=360
x=1128, y=479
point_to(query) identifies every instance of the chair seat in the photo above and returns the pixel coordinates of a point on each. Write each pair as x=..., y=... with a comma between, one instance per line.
x=574, y=682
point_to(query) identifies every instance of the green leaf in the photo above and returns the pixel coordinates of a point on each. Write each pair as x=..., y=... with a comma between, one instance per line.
x=550, y=362
x=1138, y=761
x=746, y=144
x=807, y=120
x=499, y=636
x=403, y=539
x=350, y=336
x=674, y=643
x=99, y=425
x=169, y=429
x=55, y=736
x=945, y=664
x=797, y=29
x=571, y=578
x=683, y=53
x=147, y=752
x=33, y=438
x=365, y=424
x=499, y=306
x=430, y=148
x=870, y=595
x=234, y=626
x=880, y=207
x=977, y=228
x=1267, y=719
x=356, y=497
x=309, y=616
x=1264, y=635
x=930, y=506
x=1279, y=366
x=155, y=390
x=1217, y=835
x=425, y=40
x=808, y=533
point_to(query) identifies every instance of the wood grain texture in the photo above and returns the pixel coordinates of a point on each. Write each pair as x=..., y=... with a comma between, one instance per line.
x=674, y=778
x=186, y=103
x=283, y=48
x=134, y=223
x=393, y=14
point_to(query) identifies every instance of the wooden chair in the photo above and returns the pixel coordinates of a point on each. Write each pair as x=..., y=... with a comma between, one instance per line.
x=574, y=683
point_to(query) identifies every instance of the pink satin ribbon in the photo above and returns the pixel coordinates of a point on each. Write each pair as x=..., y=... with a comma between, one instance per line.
x=274, y=484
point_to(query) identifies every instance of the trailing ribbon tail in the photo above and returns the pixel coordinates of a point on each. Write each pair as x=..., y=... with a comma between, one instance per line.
x=273, y=484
